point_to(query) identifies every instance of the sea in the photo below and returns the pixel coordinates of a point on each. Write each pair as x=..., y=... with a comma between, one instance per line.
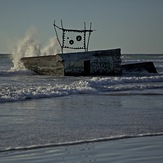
x=81, y=119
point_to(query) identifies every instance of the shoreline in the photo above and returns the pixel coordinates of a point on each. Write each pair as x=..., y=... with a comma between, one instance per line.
x=80, y=142
x=140, y=149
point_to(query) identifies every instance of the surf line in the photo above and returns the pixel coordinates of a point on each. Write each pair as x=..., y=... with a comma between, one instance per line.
x=130, y=93
x=113, y=138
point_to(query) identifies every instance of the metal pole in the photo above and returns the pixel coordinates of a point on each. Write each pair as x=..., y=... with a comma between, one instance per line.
x=89, y=35
x=57, y=36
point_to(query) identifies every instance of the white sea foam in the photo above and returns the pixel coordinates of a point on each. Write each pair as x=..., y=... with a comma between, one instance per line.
x=39, y=87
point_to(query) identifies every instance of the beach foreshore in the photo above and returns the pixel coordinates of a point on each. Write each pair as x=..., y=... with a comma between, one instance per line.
x=142, y=149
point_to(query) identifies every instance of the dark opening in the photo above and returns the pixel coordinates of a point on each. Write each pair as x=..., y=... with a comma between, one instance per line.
x=86, y=67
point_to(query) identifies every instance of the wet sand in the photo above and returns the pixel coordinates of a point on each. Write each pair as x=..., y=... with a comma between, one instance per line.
x=142, y=149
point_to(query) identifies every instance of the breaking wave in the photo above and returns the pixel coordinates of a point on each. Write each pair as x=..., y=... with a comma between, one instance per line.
x=35, y=87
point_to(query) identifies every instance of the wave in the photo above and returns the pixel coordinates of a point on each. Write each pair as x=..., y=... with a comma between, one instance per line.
x=36, y=87
x=10, y=73
x=158, y=61
x=112, y=138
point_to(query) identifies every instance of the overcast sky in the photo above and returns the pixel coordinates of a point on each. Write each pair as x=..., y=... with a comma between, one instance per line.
x=135, y=26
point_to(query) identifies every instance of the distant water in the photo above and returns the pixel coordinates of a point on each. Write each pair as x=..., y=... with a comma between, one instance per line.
x=39, y=111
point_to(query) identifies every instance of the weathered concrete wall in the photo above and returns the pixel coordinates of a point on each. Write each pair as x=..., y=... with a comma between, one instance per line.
x=74, y=68
x=101, y=65
x=103, y=62
x=117, y=64
x=106, y=62
x=139, y=67
x=45, y=65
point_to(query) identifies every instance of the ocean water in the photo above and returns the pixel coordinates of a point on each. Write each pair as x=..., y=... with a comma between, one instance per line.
x=45, y=111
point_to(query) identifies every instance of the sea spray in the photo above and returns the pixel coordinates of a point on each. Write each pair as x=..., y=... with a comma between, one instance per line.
x=26, y=47
x=51, y=48
x=29, y=46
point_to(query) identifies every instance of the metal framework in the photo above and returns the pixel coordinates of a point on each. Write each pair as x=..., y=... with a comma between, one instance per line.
x=81, y=37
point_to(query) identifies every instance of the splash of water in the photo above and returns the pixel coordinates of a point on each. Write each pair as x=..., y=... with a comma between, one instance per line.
x=29, y=46
x=51, y=48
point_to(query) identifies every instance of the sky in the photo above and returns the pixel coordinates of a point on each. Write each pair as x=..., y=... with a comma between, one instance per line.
x=135, y=26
